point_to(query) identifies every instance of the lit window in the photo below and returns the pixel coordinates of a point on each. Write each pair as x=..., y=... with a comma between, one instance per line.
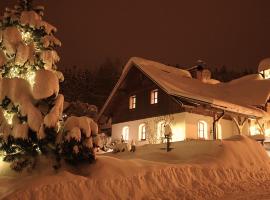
x=254, y=130
x=142, y=132
x=132, y=102
x=160, y=129
x=125, y=133
x=266, y=73
x=202, y=129
x=154, y=96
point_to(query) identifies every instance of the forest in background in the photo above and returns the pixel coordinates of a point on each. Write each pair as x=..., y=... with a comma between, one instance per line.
x=93, y=86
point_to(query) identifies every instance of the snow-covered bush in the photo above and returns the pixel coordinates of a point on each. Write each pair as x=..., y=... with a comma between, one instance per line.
x=78, y=139
x=121, y=147
x=30, y=104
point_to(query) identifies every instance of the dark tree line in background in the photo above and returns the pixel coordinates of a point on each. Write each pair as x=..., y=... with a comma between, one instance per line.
x=225, y=74
x=94, y=85
x=91, y=86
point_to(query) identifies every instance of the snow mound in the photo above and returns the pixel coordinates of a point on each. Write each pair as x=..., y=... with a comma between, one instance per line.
x=239, y=166
x=212, y=81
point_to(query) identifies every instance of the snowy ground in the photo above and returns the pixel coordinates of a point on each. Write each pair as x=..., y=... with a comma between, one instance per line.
x=230, y=169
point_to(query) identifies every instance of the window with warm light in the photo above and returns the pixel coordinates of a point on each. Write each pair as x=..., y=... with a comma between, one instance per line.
x=142, y=132
x=154, y=96
x=202, y=129
x=132, y=102
x=125, y=133
x=266, y=73
x=254, y=130
x=160, y=129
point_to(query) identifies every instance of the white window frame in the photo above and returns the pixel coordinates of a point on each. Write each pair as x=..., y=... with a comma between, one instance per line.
x=125, y=133
x=202, y=130
x=154, y=96
x=132, y=102
x=160, y=129
x=142, y=131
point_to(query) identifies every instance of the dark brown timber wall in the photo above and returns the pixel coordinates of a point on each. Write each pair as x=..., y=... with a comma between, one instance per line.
x=138, y=84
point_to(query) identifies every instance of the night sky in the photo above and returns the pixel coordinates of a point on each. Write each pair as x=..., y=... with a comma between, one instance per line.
x=220, y=32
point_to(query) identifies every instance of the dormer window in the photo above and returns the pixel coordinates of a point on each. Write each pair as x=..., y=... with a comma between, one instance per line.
x=154, y=96
x=132, y=102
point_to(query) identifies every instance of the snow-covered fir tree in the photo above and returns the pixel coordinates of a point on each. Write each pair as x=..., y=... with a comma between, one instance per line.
x=31, y=107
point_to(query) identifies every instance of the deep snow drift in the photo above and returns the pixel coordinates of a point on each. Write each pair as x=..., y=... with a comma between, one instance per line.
x=230, y=169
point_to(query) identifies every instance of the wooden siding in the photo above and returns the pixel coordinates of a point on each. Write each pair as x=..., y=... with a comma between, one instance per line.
x=138, y=84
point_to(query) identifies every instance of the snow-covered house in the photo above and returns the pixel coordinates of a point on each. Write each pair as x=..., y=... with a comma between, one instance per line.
x=151, y=99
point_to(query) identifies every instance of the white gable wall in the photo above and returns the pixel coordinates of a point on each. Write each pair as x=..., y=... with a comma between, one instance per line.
x=184, y=125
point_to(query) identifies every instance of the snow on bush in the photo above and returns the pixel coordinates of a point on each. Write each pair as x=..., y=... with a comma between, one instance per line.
x=55, y=114
x=79, y=138
x=24, y=53
x=46, y=84
x=11, y=40
x=30, y=18
x=3, y=59
x=49, y=58
x=34, y=20
x=20, y=131
x=50, y=41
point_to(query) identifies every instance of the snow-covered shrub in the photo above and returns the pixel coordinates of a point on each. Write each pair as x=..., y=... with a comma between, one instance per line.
x=79, y=139
x=121, y=147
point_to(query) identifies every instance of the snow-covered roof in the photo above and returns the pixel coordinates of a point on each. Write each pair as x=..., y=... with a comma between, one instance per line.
x=239, y=96
x=264, y=65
